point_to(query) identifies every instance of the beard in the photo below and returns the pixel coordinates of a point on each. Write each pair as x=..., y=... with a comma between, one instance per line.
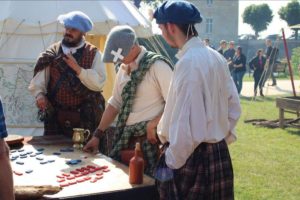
x=69, y=41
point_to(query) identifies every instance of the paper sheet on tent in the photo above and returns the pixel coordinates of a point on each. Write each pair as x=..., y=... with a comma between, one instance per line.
x=19, y=105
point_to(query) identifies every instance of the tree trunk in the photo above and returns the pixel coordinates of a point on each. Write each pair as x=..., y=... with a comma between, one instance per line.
x=296, y=34
x=256, y=34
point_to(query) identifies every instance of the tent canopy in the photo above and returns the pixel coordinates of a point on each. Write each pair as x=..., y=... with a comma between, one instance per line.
x=297, y=26
x=34, y=25
x=27, y=28
x=36, y=17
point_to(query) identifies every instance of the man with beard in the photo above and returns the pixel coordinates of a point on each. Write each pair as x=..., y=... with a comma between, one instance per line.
x=201, y=112
x=68, y=80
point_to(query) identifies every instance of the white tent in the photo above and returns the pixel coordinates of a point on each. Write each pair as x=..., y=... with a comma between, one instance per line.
x=27, y=28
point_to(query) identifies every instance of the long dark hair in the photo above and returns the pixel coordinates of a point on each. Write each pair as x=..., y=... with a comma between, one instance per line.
x=258, y=51
x=239, y=49
x=188, y=29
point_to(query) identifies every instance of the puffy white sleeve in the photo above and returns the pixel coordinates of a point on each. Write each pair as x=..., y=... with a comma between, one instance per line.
x=95, y=77
x=39, y=82
x=163, y=74
x=116, y=99
x=189, y=106
x=234, y=110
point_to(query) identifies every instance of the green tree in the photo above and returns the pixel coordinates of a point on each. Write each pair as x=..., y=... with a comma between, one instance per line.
x=258, y=17
x=291, y=14
x=296, y=60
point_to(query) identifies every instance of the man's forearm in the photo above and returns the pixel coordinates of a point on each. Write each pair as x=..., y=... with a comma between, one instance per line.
x=108, y=117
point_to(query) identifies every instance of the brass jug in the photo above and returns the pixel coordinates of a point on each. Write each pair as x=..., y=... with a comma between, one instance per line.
x=79, y=137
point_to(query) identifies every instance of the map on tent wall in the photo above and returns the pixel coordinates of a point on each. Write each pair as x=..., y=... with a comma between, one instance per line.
x=19, y=104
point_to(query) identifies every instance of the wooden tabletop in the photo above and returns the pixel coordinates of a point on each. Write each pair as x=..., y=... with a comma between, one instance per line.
x=45, y=174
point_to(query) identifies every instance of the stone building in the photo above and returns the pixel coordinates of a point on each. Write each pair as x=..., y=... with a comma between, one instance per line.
x=220, y=20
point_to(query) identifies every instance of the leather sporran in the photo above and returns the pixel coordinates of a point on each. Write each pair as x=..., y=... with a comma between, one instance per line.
x=48, y=113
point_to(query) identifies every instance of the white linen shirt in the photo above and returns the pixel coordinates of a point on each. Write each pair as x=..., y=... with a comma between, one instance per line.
x=202, y=104
x=151, y=93
x=93, y=78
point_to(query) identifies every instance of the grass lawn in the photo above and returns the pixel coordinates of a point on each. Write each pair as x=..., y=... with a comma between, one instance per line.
x=248, y=77
x=266, y=161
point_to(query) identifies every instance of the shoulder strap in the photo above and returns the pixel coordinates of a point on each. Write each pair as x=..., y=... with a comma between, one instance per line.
x=129, y=90
x=66, y=73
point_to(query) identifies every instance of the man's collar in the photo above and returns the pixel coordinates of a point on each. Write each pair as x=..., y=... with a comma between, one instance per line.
x=194, y=41
x=134, y=64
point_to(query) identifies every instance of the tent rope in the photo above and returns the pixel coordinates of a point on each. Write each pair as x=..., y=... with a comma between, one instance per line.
x=4, y=23
x=40, y=26
x=2, y=45
x=56, y=31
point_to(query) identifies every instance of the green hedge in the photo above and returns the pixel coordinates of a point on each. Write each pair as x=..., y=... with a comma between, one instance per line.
x=296, y=60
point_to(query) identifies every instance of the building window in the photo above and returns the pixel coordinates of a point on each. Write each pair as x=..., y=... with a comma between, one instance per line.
x=209, y=2
x=209, y=23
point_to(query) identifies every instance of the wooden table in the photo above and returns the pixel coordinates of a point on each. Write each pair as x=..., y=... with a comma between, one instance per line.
x=114, y=185
x=287, y=104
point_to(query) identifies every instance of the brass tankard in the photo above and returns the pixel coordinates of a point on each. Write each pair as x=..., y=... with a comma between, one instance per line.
x=79, y=137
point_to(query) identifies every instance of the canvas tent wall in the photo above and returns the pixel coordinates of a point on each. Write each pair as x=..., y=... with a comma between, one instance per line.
x=28, y=27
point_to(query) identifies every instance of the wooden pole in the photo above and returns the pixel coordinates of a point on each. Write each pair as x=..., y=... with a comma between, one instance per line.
x=289, y=63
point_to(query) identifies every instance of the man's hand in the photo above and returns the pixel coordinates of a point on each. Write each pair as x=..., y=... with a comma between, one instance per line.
x=151, y=132
x=41, y=102
x=71, y=61
x=230, y=138
x=92, y=145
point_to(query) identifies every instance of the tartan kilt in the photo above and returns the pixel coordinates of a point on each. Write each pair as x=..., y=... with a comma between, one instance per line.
x=107, y=141
x=207, y=175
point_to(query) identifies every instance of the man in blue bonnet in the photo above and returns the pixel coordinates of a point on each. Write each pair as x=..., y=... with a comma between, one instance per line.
x=68, y=80
x=201, y=112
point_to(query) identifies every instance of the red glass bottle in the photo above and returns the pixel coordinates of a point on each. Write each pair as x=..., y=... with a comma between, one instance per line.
x=136, y=166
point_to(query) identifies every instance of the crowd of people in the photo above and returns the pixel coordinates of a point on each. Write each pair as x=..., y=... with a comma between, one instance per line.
x=262, y=64
x=189, y=110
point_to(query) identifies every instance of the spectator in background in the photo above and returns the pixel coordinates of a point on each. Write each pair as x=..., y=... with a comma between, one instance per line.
x=271, y=55
x=207, y=43
x=229, y=54
x=239, y=64
x=257, y=64
x=6, y=180
x=223, y=46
